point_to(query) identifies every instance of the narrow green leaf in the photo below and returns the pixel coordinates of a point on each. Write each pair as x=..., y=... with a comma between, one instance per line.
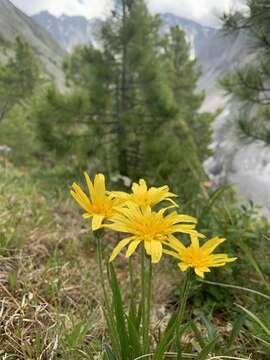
x=255, y=318
x=197, y=334
x=166, y=338
x=213, y=199
x=180, y=333
x=134, y=338
x=139, y=316
x=203, y=355
x=211, y=331
x=109, y=353
x=264, y=342
x=132, y=305
x=119, y=314
x=249, y=257
x=239, y=322
x=112, y=333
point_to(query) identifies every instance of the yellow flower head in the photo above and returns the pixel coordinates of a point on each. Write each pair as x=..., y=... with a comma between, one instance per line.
x=199, y=258
x=100, y=205
x=151, y=228
x=143, y=196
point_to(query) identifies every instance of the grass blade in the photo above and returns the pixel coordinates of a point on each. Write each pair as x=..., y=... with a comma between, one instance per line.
x=255, y=318
x=109, y=353
x=134, y=338
x=239, y=322
x=203, y=355
x=119, y=314
x=212, y=200
x=252, y=261
x=166, y=339
x=197, y=334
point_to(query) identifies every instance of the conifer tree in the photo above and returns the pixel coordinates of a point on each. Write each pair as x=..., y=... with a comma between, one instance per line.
x=249, y=84
x=183, y=142
x=18, y=77
x=133, y=105
x=125, y=84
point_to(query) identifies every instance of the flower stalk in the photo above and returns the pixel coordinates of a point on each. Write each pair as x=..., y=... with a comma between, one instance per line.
x=184, y=294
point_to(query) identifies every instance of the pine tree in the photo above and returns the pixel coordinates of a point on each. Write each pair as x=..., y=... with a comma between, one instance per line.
x=125, y=84
x=182, y=144
x=18, y=77
x=133, y=106
x=249, y=84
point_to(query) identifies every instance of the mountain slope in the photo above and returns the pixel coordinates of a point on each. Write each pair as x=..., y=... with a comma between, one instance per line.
x=69, y=31
x=72, y=30
x=48, y=51
x=197, y=35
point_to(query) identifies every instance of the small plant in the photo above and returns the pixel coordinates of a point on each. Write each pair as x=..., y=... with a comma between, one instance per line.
x=156, y=232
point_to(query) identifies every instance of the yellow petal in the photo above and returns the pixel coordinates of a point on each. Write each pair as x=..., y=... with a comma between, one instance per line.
x=118, y=227
x=89, y=184
x=119, y=195
x=87, y=215
x=175, y=244
x=97, y=221
x=119, y=247
x=162, y=211
x=221, y=260
x=183, y=266
x=171, y=201
x=186, y=229
x=132, y=247
x=80, y=197
x=146, y=209
x=154, y=249
x=195, y=241
x=211, y=244
x=143, y=185
x=135, y=188
x=171, y=253
x=187, y=219
x=199, y=271
x=99, y=185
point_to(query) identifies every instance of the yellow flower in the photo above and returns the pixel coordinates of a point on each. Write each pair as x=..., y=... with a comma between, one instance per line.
x=143, y=196
x=199, y=258
x=151, y=228
x=100, y=205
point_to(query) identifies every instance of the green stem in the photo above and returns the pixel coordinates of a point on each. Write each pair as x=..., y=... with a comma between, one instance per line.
x=143, y=293
x=149, y=301
x=101, y=272
x=107, y=309
x=146, y=297
x=132, y=289
x=180, y=316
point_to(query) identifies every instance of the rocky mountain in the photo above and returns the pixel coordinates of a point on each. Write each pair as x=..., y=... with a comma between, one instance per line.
x=48, y=51
x=215, y=53
x=69, y=31
x=72, y=30
x=197, y=34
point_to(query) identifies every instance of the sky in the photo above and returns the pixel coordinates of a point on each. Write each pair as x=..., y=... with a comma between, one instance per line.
x=204, y=11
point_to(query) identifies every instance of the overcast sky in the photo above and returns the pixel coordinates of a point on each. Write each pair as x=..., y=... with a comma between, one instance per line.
x=204, y=11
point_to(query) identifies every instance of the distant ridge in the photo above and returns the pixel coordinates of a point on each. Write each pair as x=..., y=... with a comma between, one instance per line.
x=13, y=22
x=216, y=54
x=69, y=31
